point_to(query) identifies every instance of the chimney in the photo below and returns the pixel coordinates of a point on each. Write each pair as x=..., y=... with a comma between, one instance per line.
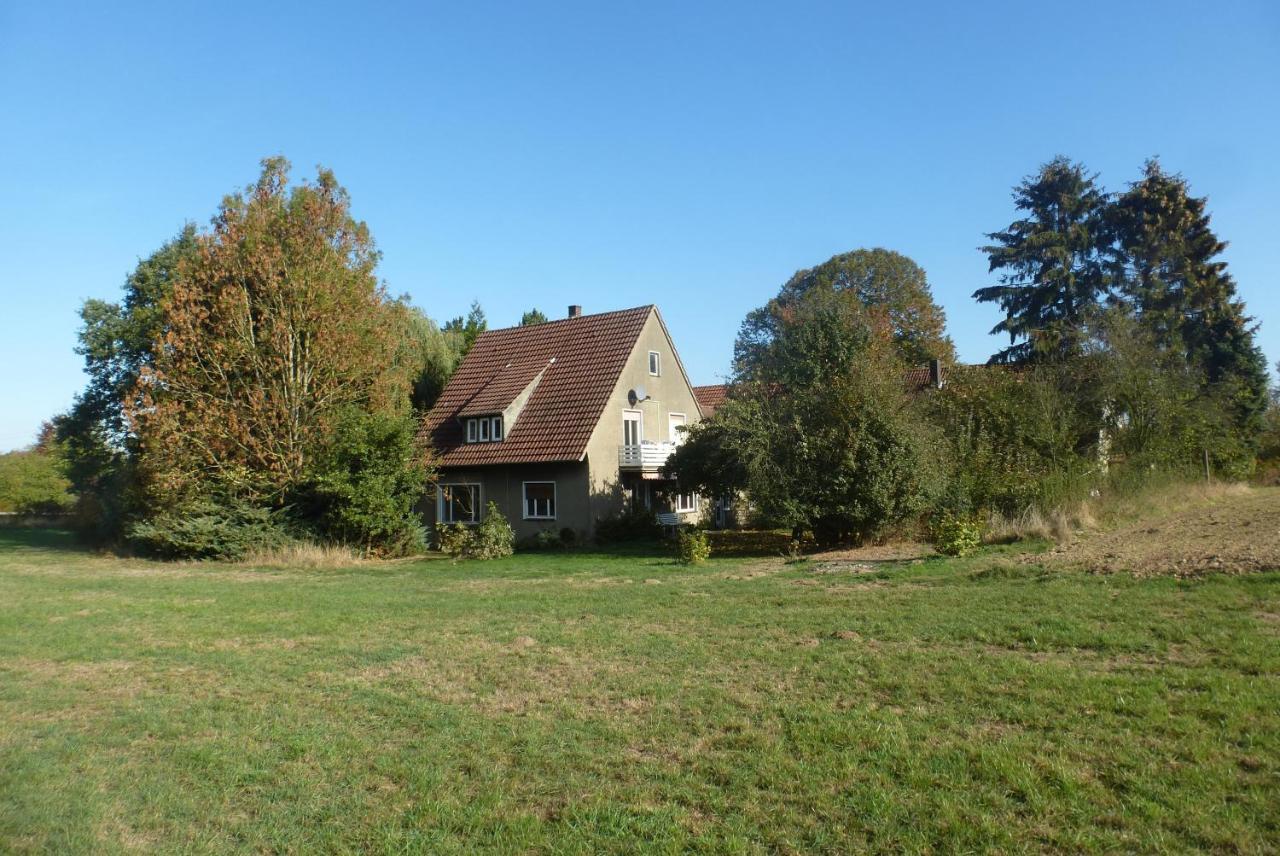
x=575, y=311
x=935, y=374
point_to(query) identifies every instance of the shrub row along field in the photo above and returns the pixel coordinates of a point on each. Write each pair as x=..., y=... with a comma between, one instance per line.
x=588, y=701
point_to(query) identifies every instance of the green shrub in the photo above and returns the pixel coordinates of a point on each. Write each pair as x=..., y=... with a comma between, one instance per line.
x=492, y=537
x=545, y=539
x=453, y=539
x=32, y=482
x=635, y=524
x=366, y=483
x=956, y=536
x=693, y=546
x=208, y=529
x=568, y=536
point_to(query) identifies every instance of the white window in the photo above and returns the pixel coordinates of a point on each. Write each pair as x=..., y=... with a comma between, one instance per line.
x=655, y=363
x=632, y=427
x=686, y=502
x=539, y=500
x=458, y=503
x=675, y=421
x=486, y=429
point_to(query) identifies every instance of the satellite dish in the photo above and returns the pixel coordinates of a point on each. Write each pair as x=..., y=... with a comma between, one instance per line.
x=635, y=396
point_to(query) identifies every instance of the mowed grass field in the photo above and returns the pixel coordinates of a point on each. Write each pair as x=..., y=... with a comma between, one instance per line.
x=590, y=702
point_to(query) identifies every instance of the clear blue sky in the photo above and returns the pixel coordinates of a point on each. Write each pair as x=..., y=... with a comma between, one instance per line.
x=692, y=155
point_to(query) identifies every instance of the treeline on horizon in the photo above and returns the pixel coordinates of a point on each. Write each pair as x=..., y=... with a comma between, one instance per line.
x=257, y=385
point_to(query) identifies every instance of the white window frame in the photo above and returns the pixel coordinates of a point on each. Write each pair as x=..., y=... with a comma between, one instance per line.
x=524, y=501
x=475, y=511
x=673, y=434
x=495, y=429
x=483, y=436
x=471, y=430
x=639, y=420
x=681, y=508
x=655, y=364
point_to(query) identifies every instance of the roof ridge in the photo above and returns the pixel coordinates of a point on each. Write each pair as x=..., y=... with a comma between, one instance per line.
x=566, y=320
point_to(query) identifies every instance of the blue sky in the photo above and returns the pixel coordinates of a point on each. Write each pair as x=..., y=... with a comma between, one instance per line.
x=692, y=155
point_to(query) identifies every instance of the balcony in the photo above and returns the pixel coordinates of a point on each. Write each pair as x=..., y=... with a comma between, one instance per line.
x=644, y=457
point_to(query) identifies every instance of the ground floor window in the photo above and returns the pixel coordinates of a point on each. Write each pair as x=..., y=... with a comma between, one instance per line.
x=539, y=500
x=686, y=502
x=459, y=503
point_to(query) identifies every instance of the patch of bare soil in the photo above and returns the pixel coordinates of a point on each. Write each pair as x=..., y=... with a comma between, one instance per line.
x=1232, y=533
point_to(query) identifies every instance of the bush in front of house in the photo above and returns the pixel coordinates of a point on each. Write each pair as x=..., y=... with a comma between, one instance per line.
x=636, y=524
x=956, y=536
x=693, y=546
x=491, y=538
x=453, y=539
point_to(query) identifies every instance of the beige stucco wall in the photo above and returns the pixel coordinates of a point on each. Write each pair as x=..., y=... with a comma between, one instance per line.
x=668, y=393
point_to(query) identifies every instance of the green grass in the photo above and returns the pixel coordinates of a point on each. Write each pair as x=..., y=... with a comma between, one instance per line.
x=972, y=705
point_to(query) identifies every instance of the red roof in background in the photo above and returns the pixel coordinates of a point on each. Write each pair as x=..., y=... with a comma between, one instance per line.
x=589, y=353
x=711, y=397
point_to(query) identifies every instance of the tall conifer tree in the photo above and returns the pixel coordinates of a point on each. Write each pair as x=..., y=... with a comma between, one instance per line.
x=1053, y=264
x=1169, y=261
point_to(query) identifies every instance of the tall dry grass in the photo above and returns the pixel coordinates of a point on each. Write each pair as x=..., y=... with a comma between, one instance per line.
x=1107, y=508
x=304, y=554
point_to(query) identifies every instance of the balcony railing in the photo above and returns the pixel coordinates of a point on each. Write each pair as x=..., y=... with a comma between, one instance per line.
x=646, y=457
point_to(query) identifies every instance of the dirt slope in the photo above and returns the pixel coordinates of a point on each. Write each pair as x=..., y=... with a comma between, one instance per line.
x=1233, y=533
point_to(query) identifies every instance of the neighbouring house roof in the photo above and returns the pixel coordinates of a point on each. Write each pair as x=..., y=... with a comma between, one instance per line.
x=580, y=360
x=711, y=397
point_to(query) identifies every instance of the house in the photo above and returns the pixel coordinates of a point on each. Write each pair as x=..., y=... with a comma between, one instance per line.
x=563, y=424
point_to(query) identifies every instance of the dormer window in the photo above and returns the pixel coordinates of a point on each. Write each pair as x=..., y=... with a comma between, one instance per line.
x=484, y=429
x=655, y=363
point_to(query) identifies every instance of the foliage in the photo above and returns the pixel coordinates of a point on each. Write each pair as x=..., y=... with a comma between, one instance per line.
x=209, y=529
x=892, y=290
x=453, y=539
x=546, y=539
x=632, y=524
x=366, y=482
x=956, y=536
x=32, y=482
x=434, y=354
x=1171, y=271
x=822, y=424
x=533, y=316
x=275, y=326
x=492, y=537
x=708, y=460
x=468, y=328
x=692, y=545
x=117, y=342
x=1054, y=262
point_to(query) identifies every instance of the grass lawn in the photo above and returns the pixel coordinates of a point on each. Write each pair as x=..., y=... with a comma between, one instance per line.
x=590, y=702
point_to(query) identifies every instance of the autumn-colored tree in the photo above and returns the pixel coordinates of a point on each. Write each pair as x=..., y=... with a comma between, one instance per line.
x=275, y=325
x=890, y=290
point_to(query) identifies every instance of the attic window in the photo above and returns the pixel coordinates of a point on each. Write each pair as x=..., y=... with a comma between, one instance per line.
x=484, y=429
x=655, y=363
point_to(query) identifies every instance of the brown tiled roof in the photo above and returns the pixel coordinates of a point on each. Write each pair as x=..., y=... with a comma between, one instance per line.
x=583, y=358
x=711, y=397
x=918, y=377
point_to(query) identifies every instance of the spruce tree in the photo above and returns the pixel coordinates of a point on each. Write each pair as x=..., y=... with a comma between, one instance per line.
x=1053, y=263
x=1168, y=259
